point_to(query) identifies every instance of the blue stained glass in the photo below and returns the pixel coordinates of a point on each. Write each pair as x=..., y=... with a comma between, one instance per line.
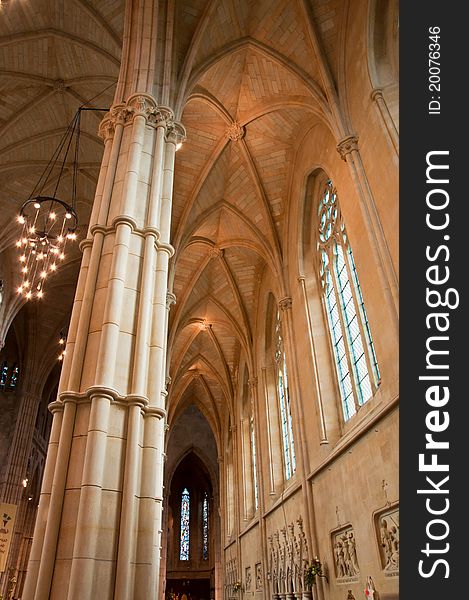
x=14, y=377
x=3, y=375
x=285, y=410
x=348, y=321
x=185, y=514
x=205, y=527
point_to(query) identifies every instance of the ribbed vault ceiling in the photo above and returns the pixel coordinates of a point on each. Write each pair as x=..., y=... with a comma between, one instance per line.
x=252, y=63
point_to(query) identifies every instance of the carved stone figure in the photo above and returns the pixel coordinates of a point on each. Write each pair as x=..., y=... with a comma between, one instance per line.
x=345, y=554
x=248, y=579
x=258, y=576
x=389, y=540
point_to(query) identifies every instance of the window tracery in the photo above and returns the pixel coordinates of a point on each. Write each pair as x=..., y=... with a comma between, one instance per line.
x=354, y=353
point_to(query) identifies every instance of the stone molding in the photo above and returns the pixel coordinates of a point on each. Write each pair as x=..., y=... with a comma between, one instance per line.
x=285, y=303
x=125, y=219
x=112, y=395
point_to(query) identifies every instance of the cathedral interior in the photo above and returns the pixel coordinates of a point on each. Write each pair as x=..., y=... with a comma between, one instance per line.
x=199, y=399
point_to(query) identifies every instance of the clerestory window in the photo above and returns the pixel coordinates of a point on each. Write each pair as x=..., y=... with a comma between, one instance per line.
x=284, y=403
x=354, y=353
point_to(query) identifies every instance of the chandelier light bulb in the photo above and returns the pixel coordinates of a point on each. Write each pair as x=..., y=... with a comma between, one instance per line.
x=26, y=283
x=43, y=237
x=20, y=289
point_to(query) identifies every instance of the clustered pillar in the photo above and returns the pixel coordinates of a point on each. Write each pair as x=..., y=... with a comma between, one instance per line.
x=99, y=519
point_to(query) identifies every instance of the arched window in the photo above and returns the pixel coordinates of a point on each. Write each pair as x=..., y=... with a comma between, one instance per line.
x=14, y=377
x=205, y=527
x=354, y=353
x=185, y=525
x=4, y=375
x=284, y=402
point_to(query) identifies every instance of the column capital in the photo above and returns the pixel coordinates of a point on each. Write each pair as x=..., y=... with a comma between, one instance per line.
x=176, y=133
x=170, y=300
x=56, y=406
x=117, y=115
x=285, y=303
x=140, y=104
x=347, y=145
x=106, y=128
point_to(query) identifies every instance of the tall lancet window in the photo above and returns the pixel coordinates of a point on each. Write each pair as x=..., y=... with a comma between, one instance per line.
x=205, y=527
x=185, y=518
x=284, y=402
x=354, y=352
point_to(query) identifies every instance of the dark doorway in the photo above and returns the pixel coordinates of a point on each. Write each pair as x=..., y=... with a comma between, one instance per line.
x=194, y=589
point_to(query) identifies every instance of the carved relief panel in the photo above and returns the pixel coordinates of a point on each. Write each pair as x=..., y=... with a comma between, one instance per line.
x=345, y=556
x=258, y=576
x=387, y=533
x=247, y=580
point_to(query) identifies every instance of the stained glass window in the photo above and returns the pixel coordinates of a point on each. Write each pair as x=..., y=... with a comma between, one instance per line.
x=3, y=375
x=284, y=402
x=354, y=353
x=205, y=527
x=14, y=377
x=185, y=515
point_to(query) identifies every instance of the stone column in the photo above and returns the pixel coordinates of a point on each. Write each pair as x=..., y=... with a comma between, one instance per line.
x=349, y=152
x=11, y=489
x=253, y=390
x=97, y=533
x=285, y=305
x=317, y=388
x=378, y=98
x=100, y=509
